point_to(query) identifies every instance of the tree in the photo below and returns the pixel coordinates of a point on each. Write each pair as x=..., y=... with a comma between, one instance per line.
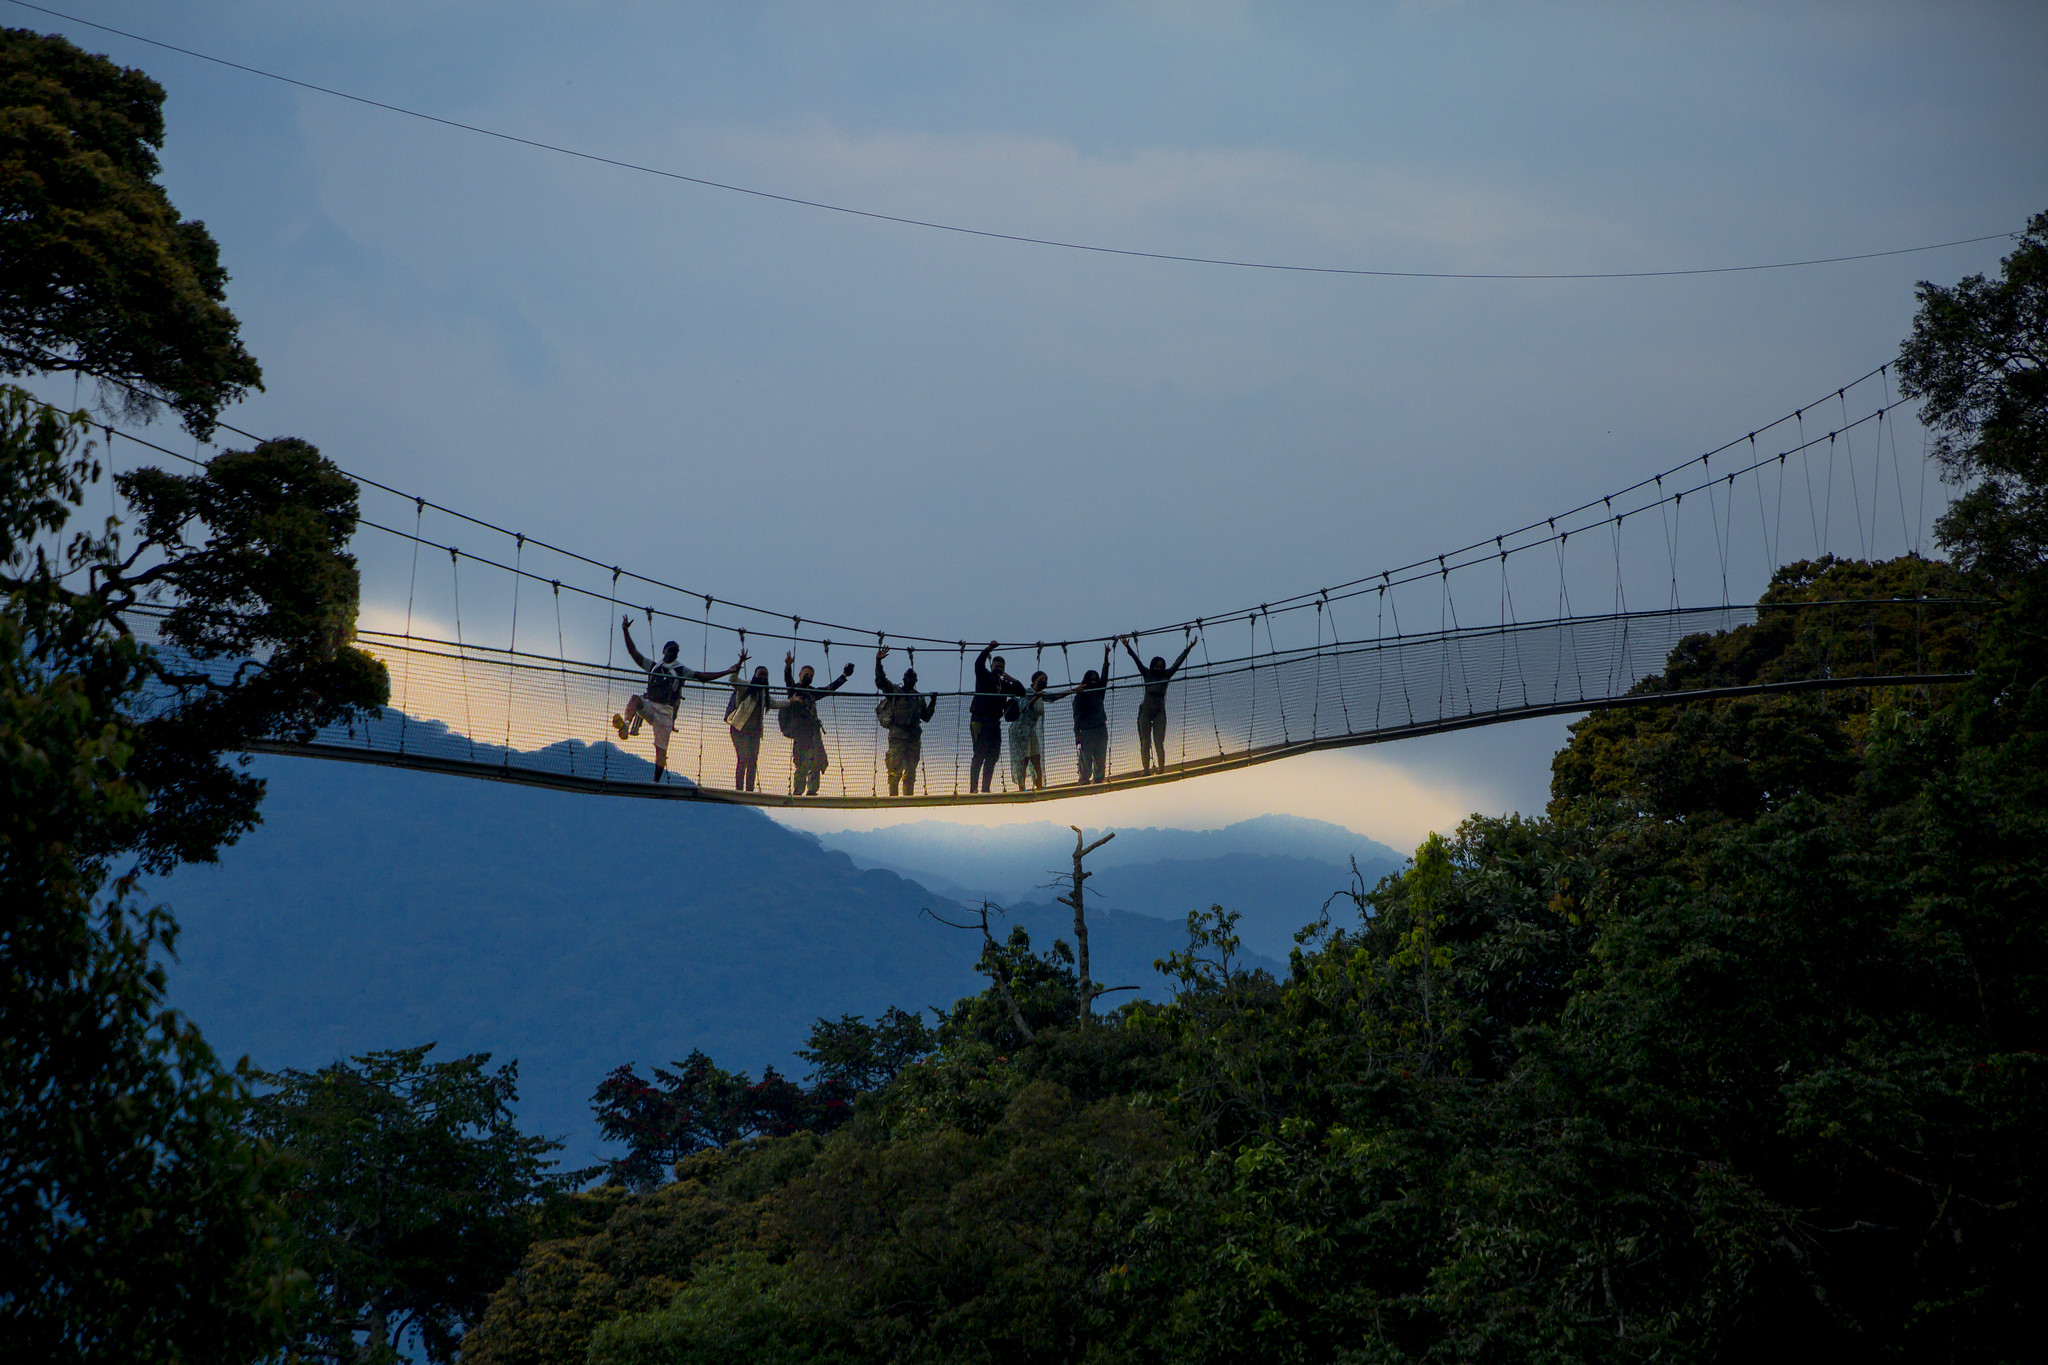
x=860, y=1057
x=136, y=1221
x=98, y=274
x=413, y=1195
x=700, y=1106
x=1978, y=358
x=244, y=572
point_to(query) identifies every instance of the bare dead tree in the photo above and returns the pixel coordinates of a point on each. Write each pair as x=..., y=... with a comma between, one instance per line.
x=1077, y=897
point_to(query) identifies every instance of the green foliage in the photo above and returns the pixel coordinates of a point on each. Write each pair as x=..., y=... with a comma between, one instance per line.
x=1653, y=1077
x=413, y=1195
x=1978, y=356
x=136, y=1222
x=1040, y=989
x=860, y=1057
x=632, y=1252
x=698, y=1104
x=98, y=274
x=735, y=1307
x=1739, y=757
x=247, y=561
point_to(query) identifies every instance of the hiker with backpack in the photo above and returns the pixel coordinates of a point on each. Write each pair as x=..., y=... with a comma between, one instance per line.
x=746, y=714
x=993, y=689
x=902, y=711
x=1152, y=709
x=657, y=705
x=801, y=723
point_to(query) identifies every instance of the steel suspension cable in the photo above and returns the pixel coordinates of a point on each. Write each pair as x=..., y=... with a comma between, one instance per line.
x=462, y=650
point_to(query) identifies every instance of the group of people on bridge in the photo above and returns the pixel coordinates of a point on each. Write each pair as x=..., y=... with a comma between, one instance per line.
x=1001, y=703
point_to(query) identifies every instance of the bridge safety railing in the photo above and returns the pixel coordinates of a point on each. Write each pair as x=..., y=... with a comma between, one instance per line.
x=526, y=717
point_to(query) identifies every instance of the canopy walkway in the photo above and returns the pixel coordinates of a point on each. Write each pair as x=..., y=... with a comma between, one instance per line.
x=1329, y=668
x=493, y=713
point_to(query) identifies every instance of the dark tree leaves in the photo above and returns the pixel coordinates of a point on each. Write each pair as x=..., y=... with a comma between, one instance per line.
x=413, y=1195
x=98, y=274
x=136, y=1221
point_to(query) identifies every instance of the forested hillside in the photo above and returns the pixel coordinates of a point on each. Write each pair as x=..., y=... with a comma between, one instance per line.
x=1735, y=1049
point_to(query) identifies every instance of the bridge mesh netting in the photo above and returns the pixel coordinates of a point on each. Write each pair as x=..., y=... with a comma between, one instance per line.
x=521, y=717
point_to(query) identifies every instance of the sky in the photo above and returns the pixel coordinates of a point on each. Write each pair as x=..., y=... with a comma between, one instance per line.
x=865, y=421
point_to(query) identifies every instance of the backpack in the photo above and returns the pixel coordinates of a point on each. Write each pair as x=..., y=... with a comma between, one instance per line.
x=896, y=708
x=665, y=684
x=785, y=719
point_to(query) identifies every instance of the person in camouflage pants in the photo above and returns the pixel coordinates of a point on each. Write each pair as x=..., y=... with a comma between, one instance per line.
x=908, y=711
x=801, y=722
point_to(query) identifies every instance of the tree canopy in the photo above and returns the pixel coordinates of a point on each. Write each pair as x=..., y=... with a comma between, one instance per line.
x=136, y=1222
x=412, y=1195
x=98, y=273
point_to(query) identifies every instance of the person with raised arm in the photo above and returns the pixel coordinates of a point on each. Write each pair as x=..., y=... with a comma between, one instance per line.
x=902, y=712
x=993, y=686
x=1091, y=720
x=1152, y=710
x=746, y=716
x=657, y=705
x=805, y=728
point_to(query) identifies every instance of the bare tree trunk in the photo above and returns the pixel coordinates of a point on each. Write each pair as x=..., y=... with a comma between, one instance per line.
x=1088, y=991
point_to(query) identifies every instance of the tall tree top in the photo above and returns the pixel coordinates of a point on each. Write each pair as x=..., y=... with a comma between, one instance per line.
x=98, y=273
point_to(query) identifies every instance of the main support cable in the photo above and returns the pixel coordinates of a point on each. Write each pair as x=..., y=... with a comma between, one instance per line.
x=1428, y=566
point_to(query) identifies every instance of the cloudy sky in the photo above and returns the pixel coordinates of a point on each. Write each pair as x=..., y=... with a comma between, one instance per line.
x=863, y=421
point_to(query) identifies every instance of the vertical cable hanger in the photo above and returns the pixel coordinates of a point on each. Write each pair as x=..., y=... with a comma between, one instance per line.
x=1209, y=682
x=562, y=663
x=461, y=651
x=412, y=582
x=1337, y=657
x=605, y=768
x=518, y=559
x=1279, y=691
x=1855, y=492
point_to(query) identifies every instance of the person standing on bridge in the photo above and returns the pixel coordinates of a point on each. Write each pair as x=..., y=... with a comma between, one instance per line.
x=903, y=713
x=801, y=722
x=1152, y=710
x=746, y=715
x=657, y=705
x=1027, y=751
x=1091, y=721
x=992, y=685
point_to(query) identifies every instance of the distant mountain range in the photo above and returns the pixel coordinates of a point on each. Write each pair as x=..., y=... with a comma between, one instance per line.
x=380, y=908
x=1276, y=871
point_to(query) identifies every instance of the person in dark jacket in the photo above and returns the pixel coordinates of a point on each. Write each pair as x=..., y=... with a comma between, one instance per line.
x=993, y=687
x=1152, y=709
x=657, y=705
x=746, y=714
x=801, y=722
x=1091, y=722
x=907, y=713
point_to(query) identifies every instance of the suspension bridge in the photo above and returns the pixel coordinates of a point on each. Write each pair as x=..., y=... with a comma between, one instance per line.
x=1530, y=622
